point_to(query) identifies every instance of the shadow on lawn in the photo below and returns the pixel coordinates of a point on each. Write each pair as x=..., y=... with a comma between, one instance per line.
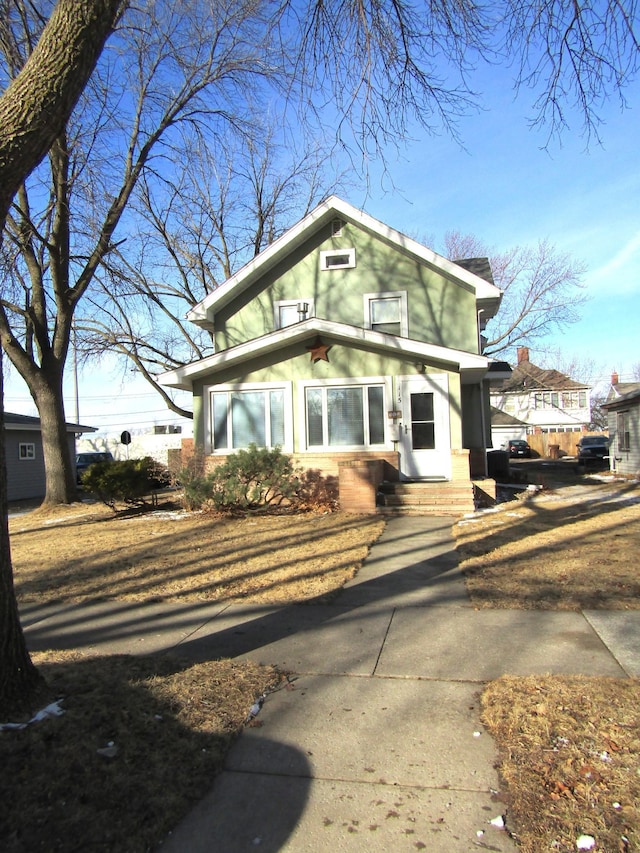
x=569, y=590
x=58, y=793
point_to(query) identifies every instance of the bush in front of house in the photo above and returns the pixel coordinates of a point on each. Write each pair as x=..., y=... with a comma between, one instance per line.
x=128, y=481
x=196, y=483
x=255, y=478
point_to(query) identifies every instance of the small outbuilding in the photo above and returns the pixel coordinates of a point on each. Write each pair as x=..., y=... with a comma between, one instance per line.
x=25, y=456
x=623, y=412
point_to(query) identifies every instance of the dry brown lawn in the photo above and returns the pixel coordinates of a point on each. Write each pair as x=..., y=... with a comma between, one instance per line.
x=569, y=548
x=85, y=552
x=166, y=724
x=569, y=747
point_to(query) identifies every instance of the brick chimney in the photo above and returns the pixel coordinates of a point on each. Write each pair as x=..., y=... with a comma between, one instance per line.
x=615, y=378
x=523, y=354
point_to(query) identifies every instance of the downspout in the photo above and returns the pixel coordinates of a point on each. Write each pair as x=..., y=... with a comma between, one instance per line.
x=483, y=419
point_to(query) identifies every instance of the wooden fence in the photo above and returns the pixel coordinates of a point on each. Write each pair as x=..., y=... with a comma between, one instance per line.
x=543, y=443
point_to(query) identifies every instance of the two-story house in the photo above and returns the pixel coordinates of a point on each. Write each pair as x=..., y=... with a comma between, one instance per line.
x=347, y=342
x=543, y=400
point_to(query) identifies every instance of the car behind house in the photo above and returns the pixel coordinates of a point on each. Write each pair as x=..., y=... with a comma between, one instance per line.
x=517, y=447
x=593, y=447
x=85, y=460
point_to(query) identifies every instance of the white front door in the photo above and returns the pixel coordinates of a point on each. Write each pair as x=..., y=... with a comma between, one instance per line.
x=425, y=443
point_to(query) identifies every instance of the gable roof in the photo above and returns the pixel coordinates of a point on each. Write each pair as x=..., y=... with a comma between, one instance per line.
x=28, y=422
x=500, y=418
x=488, y=296
x=621, y=389
x=472, y=367
x=528, y=377
x=631, y=395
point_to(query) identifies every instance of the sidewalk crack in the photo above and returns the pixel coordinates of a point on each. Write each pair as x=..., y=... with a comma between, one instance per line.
x=384, y=640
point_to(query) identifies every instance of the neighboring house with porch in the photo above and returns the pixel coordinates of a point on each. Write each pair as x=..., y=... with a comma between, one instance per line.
x=623, y=411
x=352, y=347
x=25, y=456
x=547, y=401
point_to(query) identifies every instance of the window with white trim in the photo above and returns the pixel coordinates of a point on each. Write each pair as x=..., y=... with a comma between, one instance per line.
x=290, y=311
x=623, y=432
x=574, y=399
x=546, y=400
x=244, y=416
x=337, y=259
x=26, y=451
x=386, y=312
x=345, y=416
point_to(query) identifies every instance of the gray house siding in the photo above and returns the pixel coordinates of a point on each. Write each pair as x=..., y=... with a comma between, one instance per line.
x=624, y=433
x=25, y=457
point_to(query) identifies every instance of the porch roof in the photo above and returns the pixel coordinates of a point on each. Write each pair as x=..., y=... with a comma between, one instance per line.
x=471, y=367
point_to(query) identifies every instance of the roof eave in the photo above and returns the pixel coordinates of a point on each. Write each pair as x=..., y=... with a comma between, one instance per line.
x=488, y=296
x=472, y=367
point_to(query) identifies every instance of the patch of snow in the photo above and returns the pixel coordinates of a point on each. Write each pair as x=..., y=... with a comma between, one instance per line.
x=52, y=710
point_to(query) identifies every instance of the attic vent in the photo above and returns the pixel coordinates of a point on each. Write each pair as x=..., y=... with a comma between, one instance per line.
x=336, y=227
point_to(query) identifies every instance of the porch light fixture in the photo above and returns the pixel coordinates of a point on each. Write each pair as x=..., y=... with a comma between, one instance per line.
x=303, y=310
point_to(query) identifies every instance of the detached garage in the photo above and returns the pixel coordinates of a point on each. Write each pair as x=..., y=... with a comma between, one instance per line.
x=25, y=459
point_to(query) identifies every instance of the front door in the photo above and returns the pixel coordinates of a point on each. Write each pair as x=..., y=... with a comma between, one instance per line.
x=425, y=443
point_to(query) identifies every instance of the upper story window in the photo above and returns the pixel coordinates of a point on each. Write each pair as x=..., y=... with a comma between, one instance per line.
x=574, y=399
x=290, y=311
x=546, y=400
x=337, y=259
x=386, y=312
x=557, y=400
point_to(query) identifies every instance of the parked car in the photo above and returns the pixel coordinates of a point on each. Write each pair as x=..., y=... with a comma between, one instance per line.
x=593, y=447
x=84, y=460
x=517, y=447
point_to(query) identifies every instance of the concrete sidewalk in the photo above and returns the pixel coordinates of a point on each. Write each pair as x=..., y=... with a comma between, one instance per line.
x=377, y=743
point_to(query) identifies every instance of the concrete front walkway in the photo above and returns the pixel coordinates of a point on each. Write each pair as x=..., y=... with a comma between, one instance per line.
x=376, y=744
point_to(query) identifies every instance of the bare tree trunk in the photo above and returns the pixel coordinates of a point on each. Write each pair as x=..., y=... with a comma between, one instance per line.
x=33, y=111
x=37, y=104
x=59, y=473
x=19, y=679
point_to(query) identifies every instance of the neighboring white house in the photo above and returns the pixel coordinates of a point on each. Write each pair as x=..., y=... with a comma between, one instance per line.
x=505, y=427
x=544, y=400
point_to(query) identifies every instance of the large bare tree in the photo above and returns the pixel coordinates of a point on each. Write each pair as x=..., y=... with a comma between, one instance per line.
x=542, y=287
x=362, y=69
x=171, y=70
x=33, y=111
x=194, y=231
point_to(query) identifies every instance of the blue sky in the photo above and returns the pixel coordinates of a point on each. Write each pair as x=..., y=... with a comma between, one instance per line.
x=504, y=187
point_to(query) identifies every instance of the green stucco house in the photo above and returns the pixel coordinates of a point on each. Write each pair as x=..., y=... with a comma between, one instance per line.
x=351, y=346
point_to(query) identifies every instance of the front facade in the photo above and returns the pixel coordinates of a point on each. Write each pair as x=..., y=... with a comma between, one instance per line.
x=545, y=400
x=345, y=340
